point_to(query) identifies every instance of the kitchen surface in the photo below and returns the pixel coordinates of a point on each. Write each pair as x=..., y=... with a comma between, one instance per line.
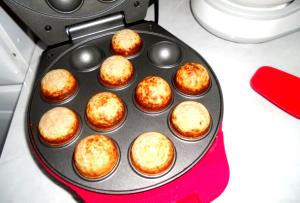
x=261, y=141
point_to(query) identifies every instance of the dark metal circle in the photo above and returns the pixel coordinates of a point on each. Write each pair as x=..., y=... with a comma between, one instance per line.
x=165, y=54
x=65, y=6
x=48, y=28
x=137, y=4
x=86, y=58
x=107, y=1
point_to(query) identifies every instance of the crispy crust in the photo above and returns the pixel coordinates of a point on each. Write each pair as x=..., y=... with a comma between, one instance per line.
x=116, y=71
x=152, y=154
x=95, y=156
x=105, y=111
x=59, y=126
x=190, y=120
x=58, y=85
x=153, y=94
x=126, y=42
x=192, y=79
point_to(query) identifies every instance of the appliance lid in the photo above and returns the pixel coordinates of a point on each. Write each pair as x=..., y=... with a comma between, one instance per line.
x=48, y=19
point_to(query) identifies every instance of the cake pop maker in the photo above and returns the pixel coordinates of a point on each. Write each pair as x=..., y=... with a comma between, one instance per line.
x=79, y=35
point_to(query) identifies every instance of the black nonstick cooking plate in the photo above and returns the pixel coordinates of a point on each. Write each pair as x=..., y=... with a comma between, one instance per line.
x=161, y=55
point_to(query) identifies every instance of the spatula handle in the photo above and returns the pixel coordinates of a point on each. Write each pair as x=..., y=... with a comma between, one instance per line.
x=279, y=87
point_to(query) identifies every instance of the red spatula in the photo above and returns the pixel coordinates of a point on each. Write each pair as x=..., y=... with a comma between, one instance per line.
x=278, y=87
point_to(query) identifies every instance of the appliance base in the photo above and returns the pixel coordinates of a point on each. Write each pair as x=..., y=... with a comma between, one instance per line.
x=203, y=183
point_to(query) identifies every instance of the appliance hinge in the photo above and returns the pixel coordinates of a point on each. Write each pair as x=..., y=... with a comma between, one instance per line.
x=95, y=26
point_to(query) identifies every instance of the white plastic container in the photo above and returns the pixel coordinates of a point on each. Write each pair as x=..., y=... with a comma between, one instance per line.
x=248, y=21
x=261, y=3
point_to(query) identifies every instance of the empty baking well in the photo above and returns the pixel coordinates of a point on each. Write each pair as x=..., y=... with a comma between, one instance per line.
x=86, y=58
x=65, y=6
x=165, y=54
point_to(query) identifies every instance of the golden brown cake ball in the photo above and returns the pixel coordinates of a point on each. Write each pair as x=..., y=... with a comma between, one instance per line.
x=95, y=156
x=59, y=126
x=58, y=85
x=153, y=94
x=152, y=154
x=192, y=79
x=190, y=120
x=105, y=111
x=116, y=71
x=126, y=42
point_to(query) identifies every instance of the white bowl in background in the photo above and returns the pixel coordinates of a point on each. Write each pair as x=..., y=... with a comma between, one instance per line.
x=261, y=3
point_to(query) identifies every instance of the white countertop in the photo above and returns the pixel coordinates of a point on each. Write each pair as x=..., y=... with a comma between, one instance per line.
x=262, y=142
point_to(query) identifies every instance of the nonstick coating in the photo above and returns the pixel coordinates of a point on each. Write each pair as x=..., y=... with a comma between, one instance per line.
x=124, y=179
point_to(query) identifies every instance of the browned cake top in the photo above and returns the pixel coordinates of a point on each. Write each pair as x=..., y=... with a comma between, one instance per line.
x=116, y=71
x=58, y=126
x=58, y=84
x=95, y=156
x=105, y=110
x=192, y=78
x=152, y=153
x=153, y=93
x=126, y=42
x=190, y=119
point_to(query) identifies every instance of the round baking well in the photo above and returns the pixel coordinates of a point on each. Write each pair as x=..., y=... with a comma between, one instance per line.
x=65, y=6
x=152, y=154
x=153, y=94
x=165, y=54
x=191, y=79
x=96, y=152
x=125, y=179
x=103, y=111
x=190, y=121
x=58, y=86
x=86, y=58
x=116, y=72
